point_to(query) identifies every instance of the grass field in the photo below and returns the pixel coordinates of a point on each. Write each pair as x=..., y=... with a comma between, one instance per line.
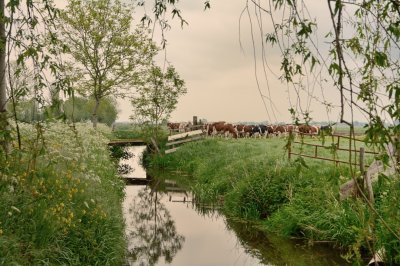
x=252, y=179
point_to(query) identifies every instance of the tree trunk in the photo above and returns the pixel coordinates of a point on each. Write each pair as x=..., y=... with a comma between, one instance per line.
x=94, y=115
x=4, y=127
x=56, y=107
x=3, y=88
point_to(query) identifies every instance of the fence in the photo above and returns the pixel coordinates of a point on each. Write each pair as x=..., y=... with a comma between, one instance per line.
x=174, y=141
x=335, y=147
x=369, y=173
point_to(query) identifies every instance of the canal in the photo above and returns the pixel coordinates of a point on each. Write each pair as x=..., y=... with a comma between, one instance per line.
x=165, y=227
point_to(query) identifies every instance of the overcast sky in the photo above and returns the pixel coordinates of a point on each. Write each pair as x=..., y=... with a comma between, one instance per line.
x=217, y=63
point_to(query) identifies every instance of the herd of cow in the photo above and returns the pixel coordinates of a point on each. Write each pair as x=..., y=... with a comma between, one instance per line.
x=245, y=131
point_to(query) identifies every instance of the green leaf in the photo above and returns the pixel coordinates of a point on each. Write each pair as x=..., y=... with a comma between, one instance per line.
x=313, y=61
x=381, y=59
x=334, y=68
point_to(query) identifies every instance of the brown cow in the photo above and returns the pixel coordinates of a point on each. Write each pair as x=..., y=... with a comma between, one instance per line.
x=230, y=130
x=173, y=126
x=185, y=126
x=215, y=128
x=308, y=129
x=280, y=130
x=222, y=128
x=240, y=130
x=248, y=131
x=270, y=130
x=291, y=128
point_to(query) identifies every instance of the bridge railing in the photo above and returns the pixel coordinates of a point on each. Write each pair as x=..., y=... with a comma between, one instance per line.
x=174, y=141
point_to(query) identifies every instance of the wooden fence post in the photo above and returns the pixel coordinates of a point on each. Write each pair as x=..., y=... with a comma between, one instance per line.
x=153, y=141
x=290, y=151
x=366, y=177
x=362, y=152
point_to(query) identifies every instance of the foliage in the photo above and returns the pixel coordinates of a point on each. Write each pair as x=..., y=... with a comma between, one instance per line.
x=60, y=199
x=80, y=109
x=360, y=63
x=140, y=131
x=157, y=97
x=160, y=9
x=135, y=133
x=59, y=193
x=24, y=35
x=108, y=60
x=27, y=111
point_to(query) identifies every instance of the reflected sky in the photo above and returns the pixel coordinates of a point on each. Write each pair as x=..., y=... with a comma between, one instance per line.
x=137, y=169
x=206, y=238
x=164, y=227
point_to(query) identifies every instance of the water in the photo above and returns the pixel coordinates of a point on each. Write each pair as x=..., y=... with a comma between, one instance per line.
x=164, y=227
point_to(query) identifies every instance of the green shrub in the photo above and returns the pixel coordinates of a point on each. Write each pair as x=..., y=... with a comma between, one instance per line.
x=256, y=197
x=61, y=199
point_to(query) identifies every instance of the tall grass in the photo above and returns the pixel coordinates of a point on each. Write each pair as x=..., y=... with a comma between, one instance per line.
x=61, y=199
x=253, y=179
x=136, y=131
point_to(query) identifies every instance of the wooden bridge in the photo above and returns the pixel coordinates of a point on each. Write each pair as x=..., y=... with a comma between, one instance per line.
x=136, y=180
x=178, y=139
x=123, y=142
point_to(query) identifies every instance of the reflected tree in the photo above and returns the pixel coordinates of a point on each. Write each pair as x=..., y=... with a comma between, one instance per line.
x=271, y=249
x=121, y=154
x=153, y=232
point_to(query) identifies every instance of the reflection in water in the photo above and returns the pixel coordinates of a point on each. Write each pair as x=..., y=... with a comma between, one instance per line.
x=124, y=169
x=278, y=251
x=166, y=227
x=125, y=154
x=152, y=231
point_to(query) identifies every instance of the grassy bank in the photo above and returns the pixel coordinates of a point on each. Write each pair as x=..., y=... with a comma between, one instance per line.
x=253, y=180
x=135, y=131
x=60, y=199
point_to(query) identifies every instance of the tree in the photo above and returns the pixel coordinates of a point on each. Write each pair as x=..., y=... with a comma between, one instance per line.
x=3, y=87
x=109, y=58
x=26, y=111
x=80, y=109
x=158, y=95
x=358, y=57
